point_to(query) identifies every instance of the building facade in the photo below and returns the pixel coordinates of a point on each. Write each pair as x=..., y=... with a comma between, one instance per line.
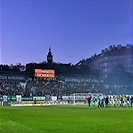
x=113, y=60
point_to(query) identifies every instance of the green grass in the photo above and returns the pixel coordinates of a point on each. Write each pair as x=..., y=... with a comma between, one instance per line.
x=65, y=119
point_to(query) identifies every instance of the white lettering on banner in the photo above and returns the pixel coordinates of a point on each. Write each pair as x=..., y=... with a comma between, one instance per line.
x=39, y=98
x=4, y=98
x=83, y=80
x=72, y=97
x=54, y=98
x=12, y=77
x=18, y=98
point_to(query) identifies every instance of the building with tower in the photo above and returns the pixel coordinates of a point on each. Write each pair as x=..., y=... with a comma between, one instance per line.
x=50, y=57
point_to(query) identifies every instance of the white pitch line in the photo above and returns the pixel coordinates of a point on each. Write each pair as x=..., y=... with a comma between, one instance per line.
x=11, y=122
x=18, y=124
x=23, y=126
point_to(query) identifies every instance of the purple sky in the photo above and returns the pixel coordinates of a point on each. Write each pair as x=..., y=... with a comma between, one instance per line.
x=74, y=29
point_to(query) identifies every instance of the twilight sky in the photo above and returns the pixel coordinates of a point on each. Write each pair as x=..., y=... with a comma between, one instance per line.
x=74, y=29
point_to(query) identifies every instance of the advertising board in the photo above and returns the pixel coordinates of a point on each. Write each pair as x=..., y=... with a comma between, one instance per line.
x=40, y=73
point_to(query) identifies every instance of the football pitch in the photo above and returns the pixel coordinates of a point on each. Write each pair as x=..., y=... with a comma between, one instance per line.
x=65, y=119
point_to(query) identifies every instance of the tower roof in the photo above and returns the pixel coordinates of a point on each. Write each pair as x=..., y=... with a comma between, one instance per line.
x=49, y=53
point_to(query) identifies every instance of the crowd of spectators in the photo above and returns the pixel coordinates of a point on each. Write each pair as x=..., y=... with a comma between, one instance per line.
x=42, y=88
x=52, y=88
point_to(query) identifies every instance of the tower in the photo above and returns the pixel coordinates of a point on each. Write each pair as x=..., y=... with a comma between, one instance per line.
x=49, y=57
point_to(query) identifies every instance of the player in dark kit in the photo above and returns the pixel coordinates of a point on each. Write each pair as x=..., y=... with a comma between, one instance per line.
x=35, y=101
x=131, y=101
x=106, y=101
x=89, y=100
